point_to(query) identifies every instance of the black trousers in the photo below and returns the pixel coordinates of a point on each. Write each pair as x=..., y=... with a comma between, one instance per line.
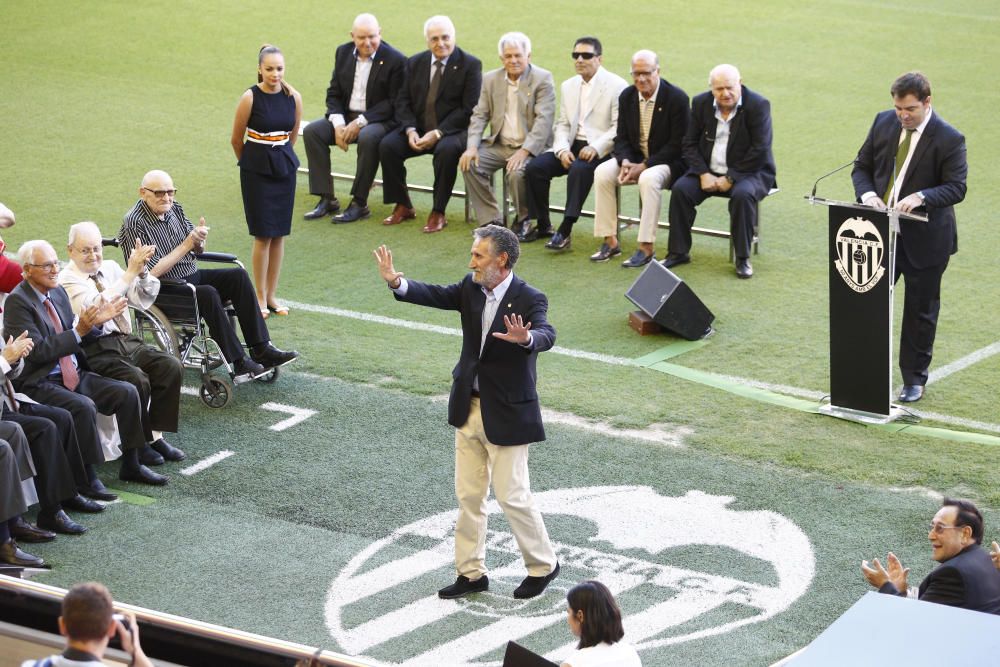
x=213, y=286
x=539, y=174
x=54, y=448
x=395, y=150
x=685, y=196
x=155, y=374
x=318, y=137
x=11, y=499
x=921, y=305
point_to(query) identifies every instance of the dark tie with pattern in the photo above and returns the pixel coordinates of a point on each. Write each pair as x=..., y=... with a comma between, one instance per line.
x=71, y=379
x=430, y=108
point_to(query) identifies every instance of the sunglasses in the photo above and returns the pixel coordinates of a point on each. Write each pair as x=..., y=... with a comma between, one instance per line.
x=585, y=56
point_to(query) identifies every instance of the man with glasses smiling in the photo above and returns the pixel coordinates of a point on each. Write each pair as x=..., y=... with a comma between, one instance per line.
x=966, y=576
x=584, y=136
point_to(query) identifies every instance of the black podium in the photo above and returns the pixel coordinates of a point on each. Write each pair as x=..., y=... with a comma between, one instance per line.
x=862, y=242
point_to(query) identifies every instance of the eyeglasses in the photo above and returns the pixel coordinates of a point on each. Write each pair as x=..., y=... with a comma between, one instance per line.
x=583, y=54
x=89, y=252
x=938, y=528
x=47, y=266
x=641, y=75
x=160, y=194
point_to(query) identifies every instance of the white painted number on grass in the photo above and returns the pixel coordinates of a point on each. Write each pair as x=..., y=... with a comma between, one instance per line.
x=297, y=415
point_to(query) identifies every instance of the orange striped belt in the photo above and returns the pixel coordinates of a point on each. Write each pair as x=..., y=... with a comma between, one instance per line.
x=269, y=138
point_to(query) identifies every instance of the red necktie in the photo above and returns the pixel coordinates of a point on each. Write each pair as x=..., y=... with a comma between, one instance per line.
x=71, y=379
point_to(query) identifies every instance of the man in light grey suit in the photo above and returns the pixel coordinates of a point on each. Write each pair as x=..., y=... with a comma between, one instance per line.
x=518, y=102
x=584, y=137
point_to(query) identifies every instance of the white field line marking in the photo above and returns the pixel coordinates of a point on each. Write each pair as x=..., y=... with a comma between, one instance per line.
x=622, y=361
x=207, y=462
x=190, y=391
x=298, y=415
x=964, y=362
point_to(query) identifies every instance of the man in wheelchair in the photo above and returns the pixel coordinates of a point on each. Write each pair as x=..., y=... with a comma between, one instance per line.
x=157, y=219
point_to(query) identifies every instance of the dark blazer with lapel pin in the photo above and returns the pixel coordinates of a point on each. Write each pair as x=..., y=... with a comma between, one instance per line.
x=666, y=130
x=748, y=152
x=461, y=81
x=937, y=168
x=384, y=83
x=507, y=393
x=24, y=311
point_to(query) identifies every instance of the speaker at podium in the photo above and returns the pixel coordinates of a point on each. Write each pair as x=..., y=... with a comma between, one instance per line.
x=668, y=300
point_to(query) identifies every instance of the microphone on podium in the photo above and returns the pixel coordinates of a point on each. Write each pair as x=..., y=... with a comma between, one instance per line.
x=840, y=168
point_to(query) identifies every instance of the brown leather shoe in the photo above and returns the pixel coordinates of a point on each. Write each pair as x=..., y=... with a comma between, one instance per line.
x=399, y=214
x=435, y=222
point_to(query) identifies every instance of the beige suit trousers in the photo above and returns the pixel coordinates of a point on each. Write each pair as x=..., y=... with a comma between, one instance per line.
x=651, y=184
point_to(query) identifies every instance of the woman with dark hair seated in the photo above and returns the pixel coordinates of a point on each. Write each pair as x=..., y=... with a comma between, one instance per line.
x=594, y=617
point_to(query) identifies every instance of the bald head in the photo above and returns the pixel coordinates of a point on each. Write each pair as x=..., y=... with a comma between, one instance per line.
x=156, y=177
x=726, y=85
x=646, y=72
x=6, y=217
x=367, y=35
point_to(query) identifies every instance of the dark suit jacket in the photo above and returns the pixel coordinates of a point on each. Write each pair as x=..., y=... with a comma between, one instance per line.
x=507, y=394
x=666, y=131
x=938, y=169
x=24, y=311
x=386, y=79
x=968, y=580
x=460, y=83
x=748, y=152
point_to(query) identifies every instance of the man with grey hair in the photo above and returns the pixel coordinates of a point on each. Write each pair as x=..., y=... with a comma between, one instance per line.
x=494, y=404
x=652, y=118
x=114, y=351
x=518, y=103
x=728, y=153
x=433, y=110
x=367, y=76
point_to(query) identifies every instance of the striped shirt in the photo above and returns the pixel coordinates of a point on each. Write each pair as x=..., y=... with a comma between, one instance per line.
x=166, y=234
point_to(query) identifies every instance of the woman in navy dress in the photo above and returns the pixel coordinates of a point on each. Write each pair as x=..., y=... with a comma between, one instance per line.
x=264, y=131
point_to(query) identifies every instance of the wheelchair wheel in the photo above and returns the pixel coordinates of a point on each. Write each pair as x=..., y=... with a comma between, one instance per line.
x=268, y=377
x=153, y=327
x=216, y=392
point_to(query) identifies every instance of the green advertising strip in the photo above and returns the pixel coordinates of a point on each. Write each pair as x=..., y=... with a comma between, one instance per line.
x=132, y=498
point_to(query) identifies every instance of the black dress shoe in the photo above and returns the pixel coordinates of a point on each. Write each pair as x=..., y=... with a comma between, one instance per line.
x=168, y=451
x=60, y=523
x=80, y=504
x=143, y=475
x=325, y=207
x=911, y=393
x=639, y=258
x=353, y=213
x=11, y=554
x=675, y=258
x=533, y=233
x=148, y=457
x=534, y=586
x=605, y=253
x=269, y=356
x=24, y=531
x=744, y=269
x=97, y=491
x=558, y=242
x=464, y=586
x=247, y=366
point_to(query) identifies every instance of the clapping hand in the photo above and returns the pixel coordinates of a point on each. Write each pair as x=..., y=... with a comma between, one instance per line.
x=20, y=347
x=878, y=576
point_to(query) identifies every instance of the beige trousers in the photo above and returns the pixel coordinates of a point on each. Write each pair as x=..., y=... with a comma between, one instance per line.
x=651, y=184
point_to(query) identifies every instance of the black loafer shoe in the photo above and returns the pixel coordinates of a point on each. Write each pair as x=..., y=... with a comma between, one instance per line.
x=464, y=586
x=558, y=242
x=534, y=233
x=911, y=393
x=534, y=586
x=60, y=523
x=247, y=366
x=80, y=504
x=148, y=457
x=675, y=258
x=353, y=213
x=269, y=356
x=167, y=451
x=97, y=491
x=639, y=258
x=143, y=475
x=11, y=554
x=25, y=532
x=325, y=207
x=744, y=269
x=605, y=253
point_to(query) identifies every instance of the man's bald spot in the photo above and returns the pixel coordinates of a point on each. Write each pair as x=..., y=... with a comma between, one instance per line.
x=365, y=21
x=647, y=56
x=157, y=177
x=724, y=72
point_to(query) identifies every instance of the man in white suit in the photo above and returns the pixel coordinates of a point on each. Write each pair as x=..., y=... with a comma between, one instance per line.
x=584, y=137
x=518, y=102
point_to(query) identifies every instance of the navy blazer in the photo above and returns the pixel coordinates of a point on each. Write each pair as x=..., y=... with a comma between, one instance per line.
x=666, y=131
x=387, y=77
x=748, y=151
x=968, y=580
x=507, y=394
x=24, y=311
x=461, y=81
x=938, y=169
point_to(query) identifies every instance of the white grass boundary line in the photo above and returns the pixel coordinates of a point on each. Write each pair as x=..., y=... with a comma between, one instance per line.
x=297, y=415
x=964, y=362
x=207, y=462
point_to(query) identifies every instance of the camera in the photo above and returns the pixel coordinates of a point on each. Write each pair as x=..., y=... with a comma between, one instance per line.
x=123, y=620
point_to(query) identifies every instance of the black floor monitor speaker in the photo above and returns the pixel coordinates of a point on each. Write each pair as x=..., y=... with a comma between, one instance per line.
x=670, y=302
